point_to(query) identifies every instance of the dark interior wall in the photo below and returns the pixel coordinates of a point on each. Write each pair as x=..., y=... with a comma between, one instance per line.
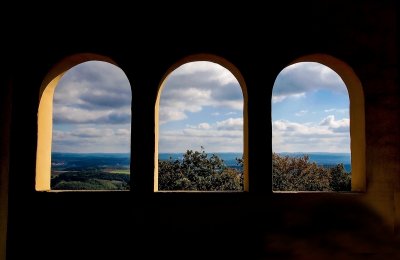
x=253, y=225
x=5, y=107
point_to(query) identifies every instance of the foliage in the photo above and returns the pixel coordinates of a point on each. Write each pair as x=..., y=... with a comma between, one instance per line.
x=198, y=171
x=340, y=179
x=299, y=174
x=92, y=179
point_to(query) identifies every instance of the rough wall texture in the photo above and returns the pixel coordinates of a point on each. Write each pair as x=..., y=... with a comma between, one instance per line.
x=255, y=225
x=5, y=107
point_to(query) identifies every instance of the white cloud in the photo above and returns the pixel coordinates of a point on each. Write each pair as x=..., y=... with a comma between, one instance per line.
x=196, y=85
x=336, y=125
x=92, y=109
x=329, y=136
x=204, y=126
x=304, y=77
x=276, y=99
x=214, y=70
x=221, y=136
x=210, y=133
x=167, y=115
x=193, y=88
x=301, y=113
x=215, y=141
x=291, y=128
x=93, y=85
x=123, y=132
x=74, y=115
x=175, y=103
x=97, y=139
x=280, y=98
x=90, y=91
x=91, y=132
x=230, y=113
x=232, y=104
x=337, y=110
x=190, y=99
x=230, y=124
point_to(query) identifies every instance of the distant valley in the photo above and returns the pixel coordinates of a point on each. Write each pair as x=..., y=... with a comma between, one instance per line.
x=111, y=171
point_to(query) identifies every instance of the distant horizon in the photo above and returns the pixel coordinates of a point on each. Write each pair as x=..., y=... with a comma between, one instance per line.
x=198, y=151
x=129, y=152
x=230, y=158
x=91, y=152
x=313, y=152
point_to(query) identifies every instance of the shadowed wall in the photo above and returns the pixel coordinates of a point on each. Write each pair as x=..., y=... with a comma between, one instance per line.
x=257, y=224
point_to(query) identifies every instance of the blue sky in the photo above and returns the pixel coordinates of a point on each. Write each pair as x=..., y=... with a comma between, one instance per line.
x=92, y=110
x=310, y=110
x=201, y=104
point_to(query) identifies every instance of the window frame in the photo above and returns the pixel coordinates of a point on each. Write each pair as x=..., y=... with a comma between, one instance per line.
x=236, y=73
x=45, y=116
x=356, y=113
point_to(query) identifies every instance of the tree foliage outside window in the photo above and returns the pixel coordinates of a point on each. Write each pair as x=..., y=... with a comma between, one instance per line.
x=198, y=171
x=299, y=174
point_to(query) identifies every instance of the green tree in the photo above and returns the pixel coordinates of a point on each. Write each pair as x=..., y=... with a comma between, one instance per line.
x=198, y=171
x=340, y=179
x=299, y=174
x=90, y=179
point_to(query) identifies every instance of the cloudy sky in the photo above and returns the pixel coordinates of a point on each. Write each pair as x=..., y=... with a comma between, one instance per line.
x=310, y=110
x=92, y=110
x=201, y=104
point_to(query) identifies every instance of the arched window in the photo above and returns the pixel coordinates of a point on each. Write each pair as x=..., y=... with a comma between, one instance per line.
x=84, y=129
x=317, y=103
x=201, y=127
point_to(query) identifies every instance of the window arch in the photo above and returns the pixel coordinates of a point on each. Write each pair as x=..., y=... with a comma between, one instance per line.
x=84, y=122
x=183, y=83
x=354, y=125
